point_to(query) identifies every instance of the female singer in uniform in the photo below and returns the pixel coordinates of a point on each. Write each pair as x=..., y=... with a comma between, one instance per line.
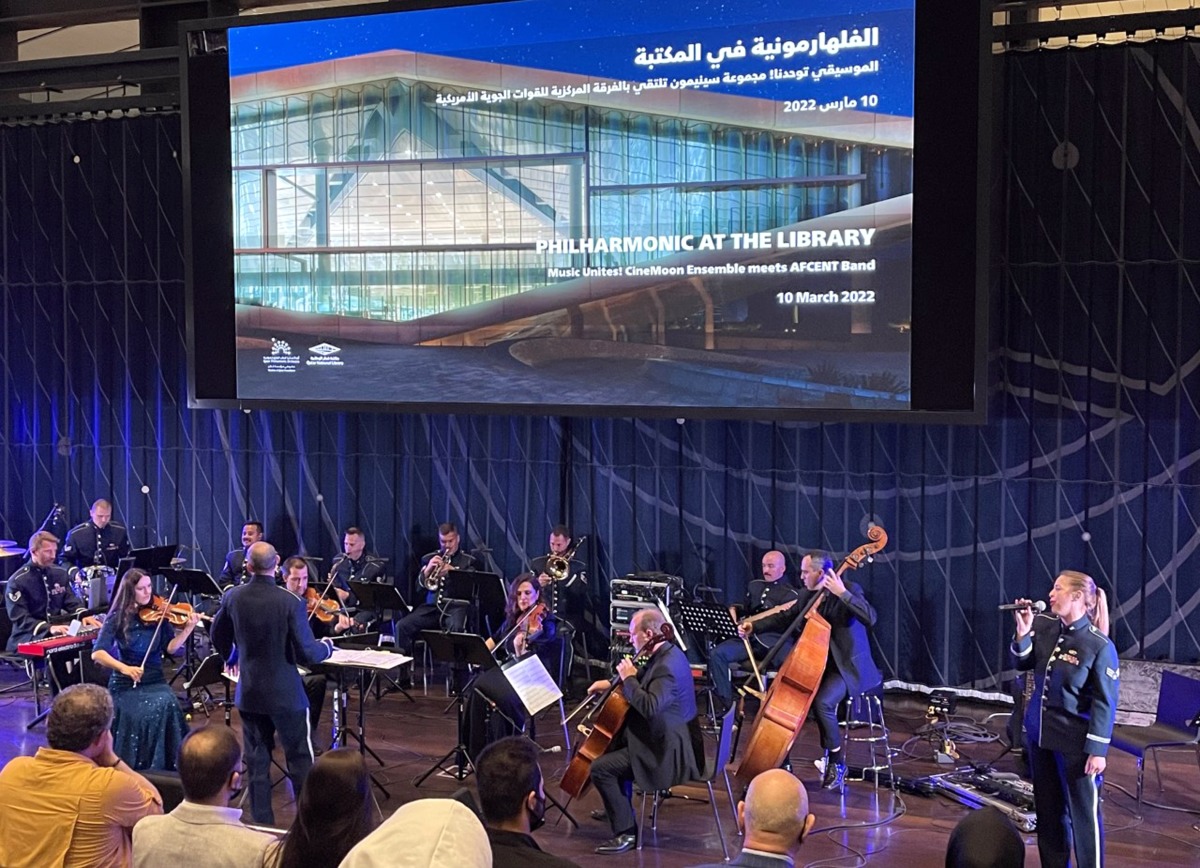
x=493, y=709
x=1069, y=718
x=148, y=724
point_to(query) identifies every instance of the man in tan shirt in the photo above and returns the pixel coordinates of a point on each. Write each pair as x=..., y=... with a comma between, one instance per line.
x=75, y=802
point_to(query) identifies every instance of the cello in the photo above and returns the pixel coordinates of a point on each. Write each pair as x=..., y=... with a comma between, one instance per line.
x=785, y=705
x=606, y=721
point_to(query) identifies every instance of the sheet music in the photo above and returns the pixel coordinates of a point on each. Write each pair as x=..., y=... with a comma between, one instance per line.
x=532, y=683
x=367, y=658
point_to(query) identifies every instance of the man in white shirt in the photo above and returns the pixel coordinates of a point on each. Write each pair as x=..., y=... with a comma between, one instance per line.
x=209, y=768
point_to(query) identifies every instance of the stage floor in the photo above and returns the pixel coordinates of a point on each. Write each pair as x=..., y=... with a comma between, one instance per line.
x=865, y=826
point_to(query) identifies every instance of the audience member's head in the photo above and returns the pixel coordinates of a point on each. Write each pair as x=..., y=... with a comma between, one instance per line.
x=511, y=793
x=985, y=839
x=775, y=813
x=450, y=836
x=333, y=812
x=79, y=719
x=208, y=765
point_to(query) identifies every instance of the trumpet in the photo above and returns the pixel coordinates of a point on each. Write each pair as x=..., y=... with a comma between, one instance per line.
x=432, y=579
x=558, y=567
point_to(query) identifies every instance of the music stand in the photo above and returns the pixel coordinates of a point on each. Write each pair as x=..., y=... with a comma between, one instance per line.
x=191, y=583
x=155, y=559
x=380, y=660
x=707, y=620
x=457, y=649
x=484, y=592
x=212, y=671
x=378, y=596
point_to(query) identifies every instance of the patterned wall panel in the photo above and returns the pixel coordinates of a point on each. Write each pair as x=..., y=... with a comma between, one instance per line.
x=1089, y=458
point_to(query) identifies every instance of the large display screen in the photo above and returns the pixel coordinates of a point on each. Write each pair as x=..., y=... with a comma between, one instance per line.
x=627, y=207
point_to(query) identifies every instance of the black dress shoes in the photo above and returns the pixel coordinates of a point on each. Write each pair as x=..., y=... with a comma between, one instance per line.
x=619, y=844
x=600, y=814
x=834, y=777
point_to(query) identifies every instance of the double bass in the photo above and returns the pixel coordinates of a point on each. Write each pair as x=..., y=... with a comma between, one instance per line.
x=785, y=705
x=606, y=720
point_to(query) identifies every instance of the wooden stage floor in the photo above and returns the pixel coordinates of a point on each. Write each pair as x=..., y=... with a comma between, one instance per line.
x=865, y=826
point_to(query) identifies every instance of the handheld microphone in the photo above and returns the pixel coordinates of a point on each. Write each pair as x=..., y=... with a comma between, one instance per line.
x=1039, y=606
x=556, y=749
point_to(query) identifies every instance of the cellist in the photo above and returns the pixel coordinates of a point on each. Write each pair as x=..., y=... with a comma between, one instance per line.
x=850, y=669
x=659, y=751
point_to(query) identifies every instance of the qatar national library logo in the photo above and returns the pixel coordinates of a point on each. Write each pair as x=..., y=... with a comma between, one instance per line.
x=324, y=355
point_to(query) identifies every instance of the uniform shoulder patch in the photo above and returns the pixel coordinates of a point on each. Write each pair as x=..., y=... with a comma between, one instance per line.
x=1114, y=674
x=15, y=595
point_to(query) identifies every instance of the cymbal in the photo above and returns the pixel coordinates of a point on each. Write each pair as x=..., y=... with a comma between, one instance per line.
x=178, y=561
x=9, y=548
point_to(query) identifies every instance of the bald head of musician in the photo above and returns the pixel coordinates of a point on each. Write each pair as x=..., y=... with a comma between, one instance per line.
x=775, y=813
x=262, y=558
x=774, y=566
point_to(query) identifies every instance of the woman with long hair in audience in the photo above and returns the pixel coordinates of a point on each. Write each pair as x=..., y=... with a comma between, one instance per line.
x=148, y=724
x=333, y=813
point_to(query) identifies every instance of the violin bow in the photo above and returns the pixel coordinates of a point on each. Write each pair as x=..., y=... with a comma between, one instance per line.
x=157, y=629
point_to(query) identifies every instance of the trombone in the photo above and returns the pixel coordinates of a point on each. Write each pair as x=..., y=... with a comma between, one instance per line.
x=558, y=566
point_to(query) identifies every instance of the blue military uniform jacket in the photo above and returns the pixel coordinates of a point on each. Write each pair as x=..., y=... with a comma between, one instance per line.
x=270, y=628
x=33, y=594
x=84, y=540
x=1076, y=678
x=762, y=595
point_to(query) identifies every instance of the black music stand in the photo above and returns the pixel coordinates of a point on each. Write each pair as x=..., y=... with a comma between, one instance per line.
x=710, y=621
x=378, y=596
x=155, y=559
x=457, y=649
x=368, y=641
x=212, y=671
x=484, y=592
x=191, y=584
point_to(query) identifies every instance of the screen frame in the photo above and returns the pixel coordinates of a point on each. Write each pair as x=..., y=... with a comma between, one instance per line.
x=952, y=158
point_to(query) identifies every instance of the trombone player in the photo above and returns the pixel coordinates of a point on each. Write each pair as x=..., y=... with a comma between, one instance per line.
x=560, y=569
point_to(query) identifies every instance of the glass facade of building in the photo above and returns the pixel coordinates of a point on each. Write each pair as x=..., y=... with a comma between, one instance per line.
x=380, y=200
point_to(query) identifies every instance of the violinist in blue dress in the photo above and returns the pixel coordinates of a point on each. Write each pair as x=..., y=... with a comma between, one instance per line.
x=148, y=724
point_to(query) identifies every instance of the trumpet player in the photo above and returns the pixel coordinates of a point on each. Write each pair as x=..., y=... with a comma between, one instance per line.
x=433, y=612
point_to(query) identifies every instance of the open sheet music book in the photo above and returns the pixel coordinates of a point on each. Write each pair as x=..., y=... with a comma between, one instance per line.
x=532, y=683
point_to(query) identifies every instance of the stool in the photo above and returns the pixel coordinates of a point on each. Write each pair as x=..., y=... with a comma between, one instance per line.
x=861, y=711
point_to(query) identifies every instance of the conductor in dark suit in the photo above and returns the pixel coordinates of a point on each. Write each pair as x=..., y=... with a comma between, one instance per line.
x=268, y=626
x=661, y=735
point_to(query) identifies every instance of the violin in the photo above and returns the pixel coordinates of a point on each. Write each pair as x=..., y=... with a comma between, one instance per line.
x=534, y=620
x=321, y=608
x=176, y=614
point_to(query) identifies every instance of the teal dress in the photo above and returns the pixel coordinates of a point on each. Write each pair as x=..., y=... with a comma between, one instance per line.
x=148, y=724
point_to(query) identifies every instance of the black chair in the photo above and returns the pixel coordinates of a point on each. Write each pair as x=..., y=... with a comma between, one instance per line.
x=714, y=767
x=1174, y=726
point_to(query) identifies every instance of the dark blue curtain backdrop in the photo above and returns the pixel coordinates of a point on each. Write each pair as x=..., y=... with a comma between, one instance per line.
x=1088, y=459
